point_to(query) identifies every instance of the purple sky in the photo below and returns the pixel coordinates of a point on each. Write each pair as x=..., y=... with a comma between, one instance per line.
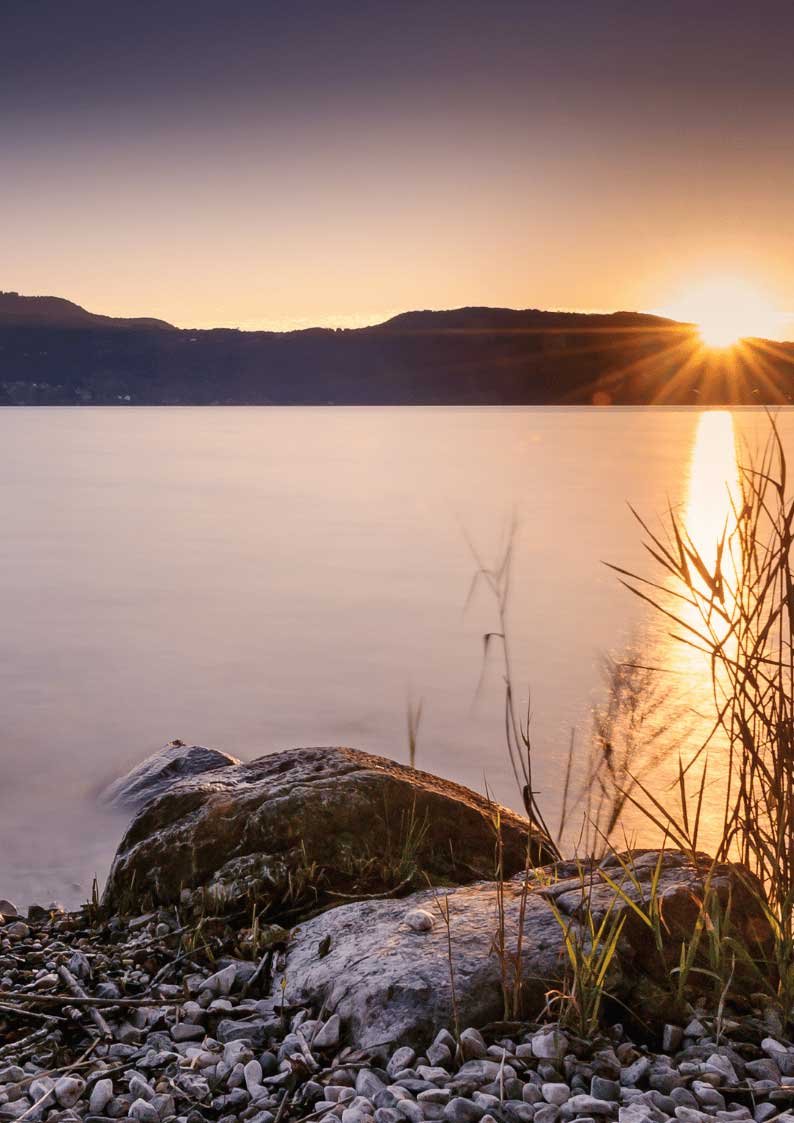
x=269, y=164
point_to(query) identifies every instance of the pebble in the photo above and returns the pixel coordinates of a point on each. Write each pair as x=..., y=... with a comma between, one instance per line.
x=550, y=1045
x=460, y=1110
x=101, y=1095
x=143, y=1111
x=555, y=1093
x=420, y=920
x=548, y=1113
x=603, y=1089
x=17, y=930
x=228, y=1055
x=328, y=1035
x=368, y=1084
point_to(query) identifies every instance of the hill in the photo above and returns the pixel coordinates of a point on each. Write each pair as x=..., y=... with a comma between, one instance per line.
x=55, y=352
x=55, y=312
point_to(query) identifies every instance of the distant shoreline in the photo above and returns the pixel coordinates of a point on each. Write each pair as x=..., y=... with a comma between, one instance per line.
x=54, y=353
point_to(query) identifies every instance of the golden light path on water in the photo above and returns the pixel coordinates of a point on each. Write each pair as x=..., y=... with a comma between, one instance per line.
x=712, y=485
x=713, y=478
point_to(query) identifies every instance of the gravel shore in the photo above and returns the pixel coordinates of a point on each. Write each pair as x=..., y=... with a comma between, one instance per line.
x=145, y=1020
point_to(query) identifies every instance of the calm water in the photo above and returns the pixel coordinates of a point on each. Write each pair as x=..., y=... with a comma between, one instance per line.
x=255, y=579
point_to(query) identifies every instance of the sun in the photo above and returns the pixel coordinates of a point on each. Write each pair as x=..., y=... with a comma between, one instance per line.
x=726, y=310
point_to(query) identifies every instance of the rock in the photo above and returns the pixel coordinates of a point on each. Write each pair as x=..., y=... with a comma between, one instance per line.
x=682, y=1097
x=603, y=1089
x=556, y=1093
x=185, y=1031
x=17, y=930
x=549, y=1045
x=421, y=920
x=401, y=1058
x=587, y=1105
x=516, y=1111
x=252, y=1075
x=327, y=1037
x=254, y=1030
x=391, y=984
x=764, y=1112
x=368, y=1084
x=459, y=1110
x=159, y=773
x=707, y=1095
x=633, y=1073
x=143, y=1111
x=42, y=1091
x=764, y=1069
x=221, y=982
x=7, y=909
x=690, y=1115
x=244, y=826
x=672, y=1036
x=722, y=1066
x=440, y=1054
x=773, y=1048
x=101, y=1095
x=68, y=1090
x=139, y=1088
x=472, y=1044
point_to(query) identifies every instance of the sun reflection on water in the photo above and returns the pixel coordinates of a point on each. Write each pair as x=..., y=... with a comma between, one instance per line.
x=679, y=698
x=713, y=482
x=707, y=515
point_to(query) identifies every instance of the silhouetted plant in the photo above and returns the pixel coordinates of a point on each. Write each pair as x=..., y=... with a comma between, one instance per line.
x=738, y=610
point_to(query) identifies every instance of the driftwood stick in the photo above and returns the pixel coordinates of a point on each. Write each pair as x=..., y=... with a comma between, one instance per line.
x=81, y=1062
x=87, y=1000
x=78, y=992
x=24, y=1043
x=21, y=1011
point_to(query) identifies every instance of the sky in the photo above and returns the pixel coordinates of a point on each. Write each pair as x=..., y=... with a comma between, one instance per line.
x=283, y=164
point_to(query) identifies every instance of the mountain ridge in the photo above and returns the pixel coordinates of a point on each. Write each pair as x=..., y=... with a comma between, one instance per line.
x=56, y=311
x=54, y=352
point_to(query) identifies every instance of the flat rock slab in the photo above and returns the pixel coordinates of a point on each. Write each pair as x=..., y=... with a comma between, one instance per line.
x=158, y=773
x=386, y=968
x=329, y=813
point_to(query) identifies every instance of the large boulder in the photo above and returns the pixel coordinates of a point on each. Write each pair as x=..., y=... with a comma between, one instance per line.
x=159, y=772
x=387, y=967
x=331, y=820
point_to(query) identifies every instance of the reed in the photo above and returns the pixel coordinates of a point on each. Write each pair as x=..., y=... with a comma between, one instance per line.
x=737, y=610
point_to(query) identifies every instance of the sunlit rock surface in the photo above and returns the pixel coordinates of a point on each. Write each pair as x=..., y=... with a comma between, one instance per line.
x=336, y=815
x=391, y=980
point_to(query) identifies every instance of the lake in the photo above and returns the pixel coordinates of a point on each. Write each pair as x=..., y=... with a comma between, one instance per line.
x=256, y=579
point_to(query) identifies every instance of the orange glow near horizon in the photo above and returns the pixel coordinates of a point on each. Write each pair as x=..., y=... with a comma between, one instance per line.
x=728, y=309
